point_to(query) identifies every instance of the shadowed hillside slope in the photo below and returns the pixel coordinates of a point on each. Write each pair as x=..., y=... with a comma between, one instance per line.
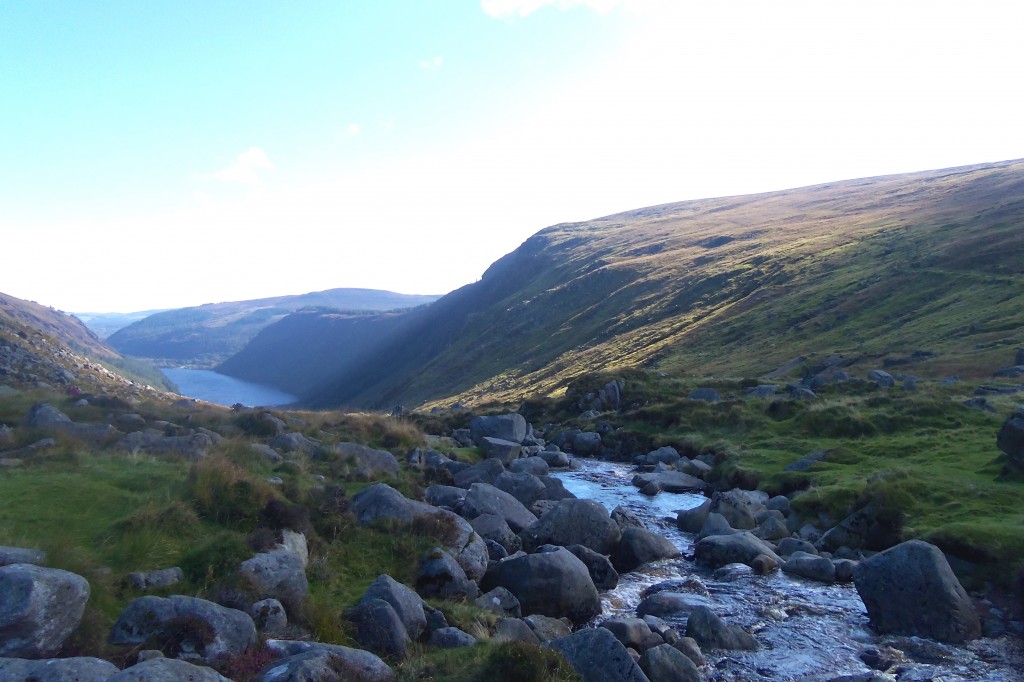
x=207, y=334
x=872, y=269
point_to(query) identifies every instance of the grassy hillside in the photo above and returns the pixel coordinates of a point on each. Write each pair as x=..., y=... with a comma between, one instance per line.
x=872, y=269
x=205, y=335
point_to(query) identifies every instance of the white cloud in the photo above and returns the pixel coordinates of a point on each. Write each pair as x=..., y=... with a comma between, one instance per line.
x=429, y=64
x=503, y=9
x=245, y=168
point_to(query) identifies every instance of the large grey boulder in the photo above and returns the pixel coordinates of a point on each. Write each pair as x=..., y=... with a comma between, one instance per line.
x=21, y=555
x=151, y=441
x=742, y=547
x=739, y=507
x=692, y=520
x=711, y=632
x=505, y=451
x=707, y=395
x=552, y=584
x=315, y=662
x=665, y=663
x=574, y=522
x=633, y=633
x=487, y=499
x=167, y=670
x=671, y=604
x=486, y=471
x=445, y=496
x=47, y=418
x=494, y=527
x=534, y=464
x=639, y=546
x=597, y=656
x=296, y=442
x=599, y=566
x=665, y=455
x=510, y=427
x=882, y=378
x=554, y=489
x=379, y=628
x=406, y=603
x=280, y=574
x=381, y=502
x=514, y=630
x=670, y=482
x=192, y=629
x=440, y=576
x=526, y=488
x=39, y=609
x=367, y=464
x=586, y=443
x=715, y=524
x=79, y=669
x=810, y=566
x=450, y=638
x=910, y=589
x=500, y=601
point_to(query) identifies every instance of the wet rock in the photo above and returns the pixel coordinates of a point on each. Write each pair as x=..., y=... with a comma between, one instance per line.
x=763, y=564
x=553, y=584
x=597, y=656
x=626, y=518
x=312, y=661
x=79, y=669
x=665, y=663
x=572, y=522
x=670, y=482
x=440, y=576
x=911, y=590
x=742, y=547
x=599, y=566
x=500, y=601
x=167, y=670
x=191, y=629
x=844, y=570
x=710, y=632
x=639, y=546
x=39, y=608
x=810, y=566
x=692, y=520
x=671, y=604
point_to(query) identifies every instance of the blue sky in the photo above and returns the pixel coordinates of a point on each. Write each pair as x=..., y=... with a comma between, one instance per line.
x=157, y=154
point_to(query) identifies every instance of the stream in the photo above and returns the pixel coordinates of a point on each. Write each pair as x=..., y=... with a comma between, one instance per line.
x=807, y=631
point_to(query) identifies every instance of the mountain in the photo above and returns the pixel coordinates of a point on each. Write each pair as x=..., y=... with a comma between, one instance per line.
x=207, y=334
x=41, y=345
x=105, y=324
x=923, y=268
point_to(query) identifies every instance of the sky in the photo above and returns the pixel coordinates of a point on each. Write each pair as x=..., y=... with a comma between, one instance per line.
x=169, y=154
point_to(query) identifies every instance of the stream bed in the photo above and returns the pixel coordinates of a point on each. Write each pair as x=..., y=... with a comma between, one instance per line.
x=806, y=630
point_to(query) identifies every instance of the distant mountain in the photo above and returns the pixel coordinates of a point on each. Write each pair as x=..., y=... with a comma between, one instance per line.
x=105, y=324
x=923, y=269
x=205, y=335
x=41, y=345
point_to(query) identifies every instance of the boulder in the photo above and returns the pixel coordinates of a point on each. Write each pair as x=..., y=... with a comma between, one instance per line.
x=547, y=628
x=666, y=455
x=771, y=525
x=487, y=499
x=505, y=451
x=379, y=628
x=671, y=604
x=312, y=661
x=810, y=566
x=406, y=603
x=910, y=590
x=269, y=615
x=586, y=443
x=165, y=577
x=494, y=527
x=500, y=601
x=189, y=628
x=639, y=546
x=367, y=464
x=445, y=496
x=665, y=663
x=599, y=566
x=574, y=522
x=450, y=638
x=526, y=488
x=21, y=555
x=535, y=465
x=267, y=452
x=381, y=502
x=882, y=378
x=554, y=458
x=79, y=669
x=280, y=574
x=738, y=507
x=633, y=633
x=624, y=518
x=440, y=576
x=514, y=630
x=742, y=547
x=789, y=545
x=693, y=519
x=553, y=584
x=39, y=608
x=597, y=656
x=711, y=633
x=509, y=427
x=670, y=482
x=151, y=441
x=167, y=670
x=715, y=524
x=554, y=489
x=707, y=395
x=482, y=472
x=296, y=442
x=695, y=468
x=1011, y=439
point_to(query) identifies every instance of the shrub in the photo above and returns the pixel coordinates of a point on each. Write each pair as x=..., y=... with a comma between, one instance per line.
x=521, y=662
x=225, y=493
x=216, y=559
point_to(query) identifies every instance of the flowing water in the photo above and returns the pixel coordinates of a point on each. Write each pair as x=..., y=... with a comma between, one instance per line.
x=807, y=631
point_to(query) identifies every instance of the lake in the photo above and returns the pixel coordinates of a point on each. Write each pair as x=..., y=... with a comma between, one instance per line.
x=204, y=384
